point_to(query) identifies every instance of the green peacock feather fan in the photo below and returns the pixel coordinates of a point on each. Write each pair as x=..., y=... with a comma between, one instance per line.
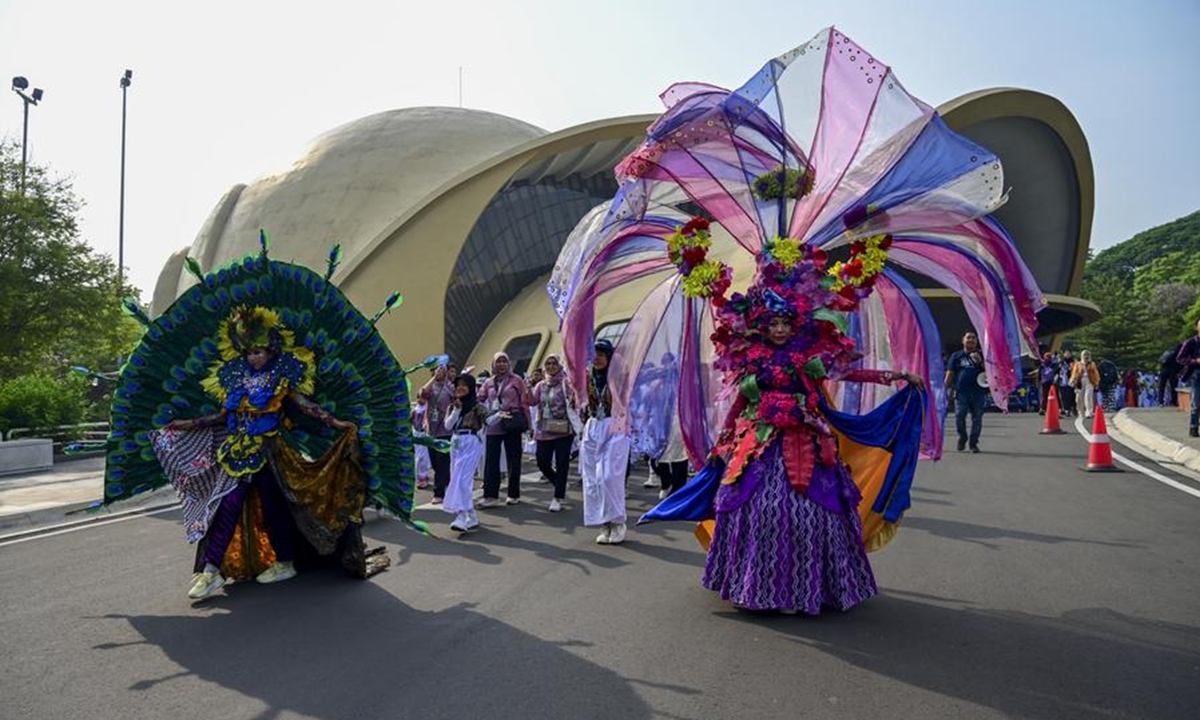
x=357, y=379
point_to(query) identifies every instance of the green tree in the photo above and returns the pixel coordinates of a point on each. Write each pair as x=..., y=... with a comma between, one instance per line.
x=1116, y=334
x=1148, y=289
x=59, y=299
x=1124, y=259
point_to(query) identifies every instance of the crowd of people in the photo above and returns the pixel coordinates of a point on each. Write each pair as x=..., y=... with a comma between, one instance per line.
x=495, y=417
x=1082, y=383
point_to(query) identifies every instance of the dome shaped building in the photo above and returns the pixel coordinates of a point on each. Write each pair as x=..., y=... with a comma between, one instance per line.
x=464, y=212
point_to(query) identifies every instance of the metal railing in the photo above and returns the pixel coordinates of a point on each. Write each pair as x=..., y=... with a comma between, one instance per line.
x=62, y=435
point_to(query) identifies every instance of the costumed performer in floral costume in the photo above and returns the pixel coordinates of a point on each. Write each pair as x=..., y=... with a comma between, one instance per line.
x=821, y=151
x=787, y=534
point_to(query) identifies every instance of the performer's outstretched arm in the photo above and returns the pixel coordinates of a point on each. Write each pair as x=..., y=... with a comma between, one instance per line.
x=309, y=407
x=214, y=420
x=882, y=377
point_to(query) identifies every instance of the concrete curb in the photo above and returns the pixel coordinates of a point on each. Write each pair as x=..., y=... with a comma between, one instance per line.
x=15, y=523
x=1187, y=456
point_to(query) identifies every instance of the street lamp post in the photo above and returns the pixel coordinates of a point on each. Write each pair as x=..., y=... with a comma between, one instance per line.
x=19, y=85
x=126, y=81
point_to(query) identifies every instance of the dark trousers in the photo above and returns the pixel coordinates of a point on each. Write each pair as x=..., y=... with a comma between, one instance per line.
x=964, y=404
x=672, y=475
x=1045, y=398
x=280, y=525
x=491, y=465
x=554, y=459
x=1166, y=389
x=1194, y=385
x=441, y=472
x=1066, y=398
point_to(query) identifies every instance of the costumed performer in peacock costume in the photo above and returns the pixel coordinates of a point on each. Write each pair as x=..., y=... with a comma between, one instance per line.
x=804, y=400
x=276, y=410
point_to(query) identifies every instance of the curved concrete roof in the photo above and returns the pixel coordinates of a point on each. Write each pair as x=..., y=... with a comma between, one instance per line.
x=352, y=182
x=1048, y=165
x=405, y=192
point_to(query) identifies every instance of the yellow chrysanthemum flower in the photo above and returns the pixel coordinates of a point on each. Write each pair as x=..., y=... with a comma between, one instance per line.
x=699, y=282
x=787, y=251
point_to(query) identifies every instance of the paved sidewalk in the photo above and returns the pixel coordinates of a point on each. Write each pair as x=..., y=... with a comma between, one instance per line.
x=46, y=497
x=1162, y=430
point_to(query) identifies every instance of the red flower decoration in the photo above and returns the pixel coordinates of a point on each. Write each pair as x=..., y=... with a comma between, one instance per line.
x=853, y=268
x=696, y=223
x=858, y=246
x=886, y=242
x=694, y=255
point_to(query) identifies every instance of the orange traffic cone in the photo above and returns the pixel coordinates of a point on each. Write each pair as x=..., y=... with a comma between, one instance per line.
x=1100, y=447
x=1051, y=426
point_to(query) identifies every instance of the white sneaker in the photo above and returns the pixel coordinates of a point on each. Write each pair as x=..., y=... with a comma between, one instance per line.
x=555, y=505
x=206, y=584
x=602, y=538
x=472, y=520
x=460, y=523
x=662, y=494
x=616, y=534
x=278, y=572
x=650, y=482
x=491, y=503
x=512, y=501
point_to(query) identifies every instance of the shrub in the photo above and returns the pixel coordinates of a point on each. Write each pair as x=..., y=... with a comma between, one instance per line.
x=41, y=401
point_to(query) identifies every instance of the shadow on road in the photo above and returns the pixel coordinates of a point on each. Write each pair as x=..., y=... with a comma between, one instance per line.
x=334, y=648
x=1087, y=663
x=978, y=534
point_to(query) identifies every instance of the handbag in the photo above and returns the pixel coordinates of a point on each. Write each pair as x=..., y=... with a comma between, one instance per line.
x=517, y=421
x=552, y=425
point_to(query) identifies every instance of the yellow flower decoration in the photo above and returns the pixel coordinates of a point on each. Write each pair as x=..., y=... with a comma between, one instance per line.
x=835, y=272
x=870, y=257
x=700, y=281
x=678, y=242
x=787, y=251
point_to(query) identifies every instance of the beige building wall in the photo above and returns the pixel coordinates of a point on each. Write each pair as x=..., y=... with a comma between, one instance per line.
x=416, y=259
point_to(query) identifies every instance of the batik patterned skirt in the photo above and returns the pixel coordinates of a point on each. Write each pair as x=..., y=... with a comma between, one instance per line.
x=781, y=550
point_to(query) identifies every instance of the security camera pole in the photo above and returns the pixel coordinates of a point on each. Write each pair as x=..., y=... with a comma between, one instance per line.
x=19, y=84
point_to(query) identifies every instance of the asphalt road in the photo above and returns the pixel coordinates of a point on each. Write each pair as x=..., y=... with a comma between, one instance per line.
x=1018, y=587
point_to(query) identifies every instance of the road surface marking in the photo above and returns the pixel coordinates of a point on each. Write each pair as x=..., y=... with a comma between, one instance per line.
x=1137, y=466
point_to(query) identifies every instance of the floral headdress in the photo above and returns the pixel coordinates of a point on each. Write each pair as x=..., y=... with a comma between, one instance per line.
x=792, y=280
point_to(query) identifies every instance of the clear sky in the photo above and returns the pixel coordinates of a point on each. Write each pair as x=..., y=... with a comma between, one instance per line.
x=225, y=92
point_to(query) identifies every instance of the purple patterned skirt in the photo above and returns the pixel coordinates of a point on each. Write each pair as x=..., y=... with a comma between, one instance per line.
x=780, y=550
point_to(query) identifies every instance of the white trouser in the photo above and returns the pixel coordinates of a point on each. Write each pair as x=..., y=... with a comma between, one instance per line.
x=424, y=466
x=1087, y=398
x=466, y=452
x=603, y=457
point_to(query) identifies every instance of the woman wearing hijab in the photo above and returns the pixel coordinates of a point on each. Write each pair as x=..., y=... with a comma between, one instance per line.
x=603, y=455
x=1085, y=378
x=554, y=431
x=506, y=394
x=466, y=420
